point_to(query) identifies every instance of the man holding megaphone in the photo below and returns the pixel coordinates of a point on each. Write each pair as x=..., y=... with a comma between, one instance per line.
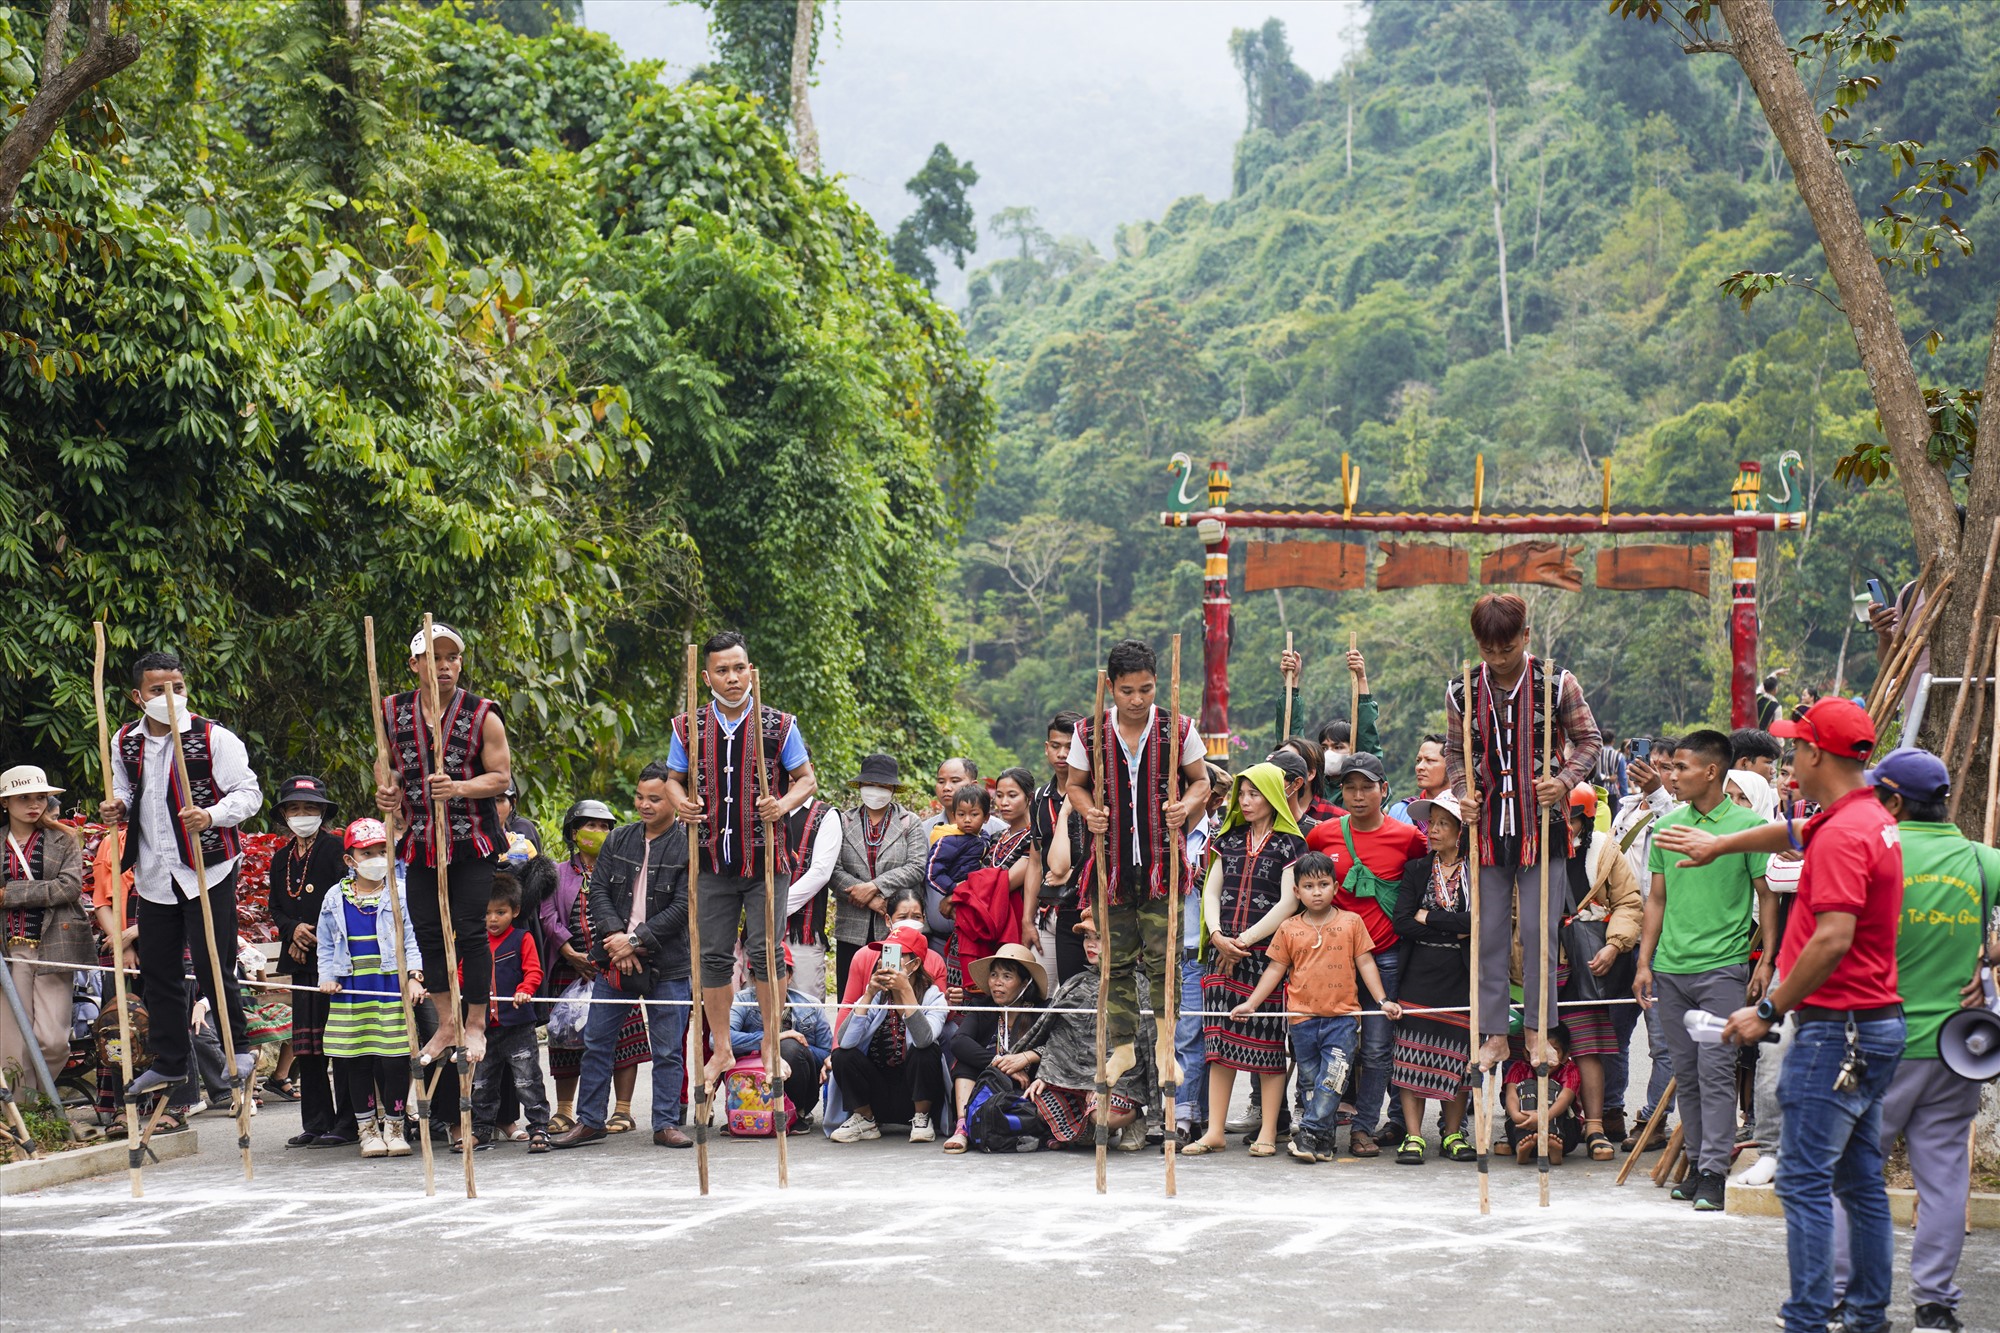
x=1949, y=885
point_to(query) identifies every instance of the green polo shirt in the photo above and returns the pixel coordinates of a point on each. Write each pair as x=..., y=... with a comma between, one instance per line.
x=1708, y=914
x=1938, y=935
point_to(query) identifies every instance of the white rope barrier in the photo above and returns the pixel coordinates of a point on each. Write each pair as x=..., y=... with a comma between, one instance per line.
x=1415, y=1010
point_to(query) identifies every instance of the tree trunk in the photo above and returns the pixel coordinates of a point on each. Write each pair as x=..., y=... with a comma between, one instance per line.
x=1350, y=137
x=1760, y=49
x=805, y=135
x=1541, y=182
x=102, y=56
x=1499, y=236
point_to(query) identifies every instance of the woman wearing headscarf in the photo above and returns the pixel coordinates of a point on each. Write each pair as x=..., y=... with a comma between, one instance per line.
x=566, y=926
x=1246, y=894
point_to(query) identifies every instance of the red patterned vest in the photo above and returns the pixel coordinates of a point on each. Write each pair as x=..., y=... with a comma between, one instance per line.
x=1136, y=844
x=473, y=826
x=733, y=837
x=197, y=743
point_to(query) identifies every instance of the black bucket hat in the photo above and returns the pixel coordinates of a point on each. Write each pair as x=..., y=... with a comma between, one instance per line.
x=304, y=787
x=879, y=770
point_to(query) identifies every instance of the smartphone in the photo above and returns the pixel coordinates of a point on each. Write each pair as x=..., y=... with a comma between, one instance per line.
x=1642, y=748
x=892, y=957
x=1876, y=593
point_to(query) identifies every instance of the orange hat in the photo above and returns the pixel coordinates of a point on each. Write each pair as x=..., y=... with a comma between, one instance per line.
x=1585, y=796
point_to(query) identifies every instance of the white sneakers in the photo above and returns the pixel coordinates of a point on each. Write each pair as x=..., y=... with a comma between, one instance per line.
x=372, y=1142
x=920, y=1128
x=858, y=1127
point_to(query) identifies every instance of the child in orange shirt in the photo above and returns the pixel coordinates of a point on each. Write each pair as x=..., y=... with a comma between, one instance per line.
x=1321, y=951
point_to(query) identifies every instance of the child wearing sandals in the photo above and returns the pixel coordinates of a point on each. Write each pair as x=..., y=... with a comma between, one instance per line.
x=1318, y=955
x=365, y=1035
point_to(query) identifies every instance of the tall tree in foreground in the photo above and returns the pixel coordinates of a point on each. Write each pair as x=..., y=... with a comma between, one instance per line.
x=1929, y=434
x=942, y=219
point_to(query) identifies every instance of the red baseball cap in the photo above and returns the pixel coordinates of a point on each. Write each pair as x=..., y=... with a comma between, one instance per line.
x=1838, y=726
x=910, y=938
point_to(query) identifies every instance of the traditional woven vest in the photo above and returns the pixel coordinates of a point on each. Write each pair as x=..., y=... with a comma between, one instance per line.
x=1523, y=713
x=808, y=924
x=198, y=744
x=1150, y=858
x=472, y=826
x=733, y=837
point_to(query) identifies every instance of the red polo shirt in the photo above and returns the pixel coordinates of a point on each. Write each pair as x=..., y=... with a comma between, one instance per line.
x=1854, y=864
x=1385, y=850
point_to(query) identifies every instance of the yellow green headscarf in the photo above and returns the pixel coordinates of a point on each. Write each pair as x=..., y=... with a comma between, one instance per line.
x=1270, y=781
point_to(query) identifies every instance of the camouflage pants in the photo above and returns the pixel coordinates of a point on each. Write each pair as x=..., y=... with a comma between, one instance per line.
x=1140, y=938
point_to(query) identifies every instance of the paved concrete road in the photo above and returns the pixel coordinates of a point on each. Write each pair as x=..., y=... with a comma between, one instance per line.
x=883, y=1235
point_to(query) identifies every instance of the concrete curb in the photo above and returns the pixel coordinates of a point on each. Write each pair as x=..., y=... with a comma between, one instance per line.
x=101, y=1159
x=1762, y=1201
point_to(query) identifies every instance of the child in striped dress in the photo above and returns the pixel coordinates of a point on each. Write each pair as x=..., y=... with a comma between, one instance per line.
x=365, y=1034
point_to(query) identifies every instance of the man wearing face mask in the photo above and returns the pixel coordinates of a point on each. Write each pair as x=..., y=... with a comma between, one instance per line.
x=882, y=849
x=164, y=824
x=301, y=873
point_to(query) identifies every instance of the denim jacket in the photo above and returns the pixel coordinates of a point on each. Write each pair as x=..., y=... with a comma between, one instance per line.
x=333, y=958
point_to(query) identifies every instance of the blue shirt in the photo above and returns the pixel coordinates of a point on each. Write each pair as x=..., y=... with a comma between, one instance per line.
x=791, y=755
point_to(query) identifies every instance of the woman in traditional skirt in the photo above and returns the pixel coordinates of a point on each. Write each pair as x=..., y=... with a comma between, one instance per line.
x=1433, y=922
x=1248, y=892
x=565, y=920
x=303, y=871
x=1012, y=850
x=365, y=1036
x=1602, y=881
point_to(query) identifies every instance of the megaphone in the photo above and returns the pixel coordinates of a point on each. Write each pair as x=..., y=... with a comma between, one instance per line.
x=1969, y=1044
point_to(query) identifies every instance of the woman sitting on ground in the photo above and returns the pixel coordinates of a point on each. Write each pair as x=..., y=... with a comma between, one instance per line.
x=889, y=1065
x=902, y=906
x=1008, y=979
x=1056, y=1061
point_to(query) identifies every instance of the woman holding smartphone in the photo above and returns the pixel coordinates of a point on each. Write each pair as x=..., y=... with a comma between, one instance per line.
x=889, y=1066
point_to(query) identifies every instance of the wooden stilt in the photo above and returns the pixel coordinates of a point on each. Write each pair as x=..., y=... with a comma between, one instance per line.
x=1664, y=1167
x=1102, y=914
x=239, y=1086
x=697, y=1062
x=1646, y=1132
x=134, y=1153
x=16, y=1127
x=441, y=836
x=1542, y=930
x=773, y=999
x=416, y=1096
x=1291, y=688
x=1482, y=1097
x=1168, y=1003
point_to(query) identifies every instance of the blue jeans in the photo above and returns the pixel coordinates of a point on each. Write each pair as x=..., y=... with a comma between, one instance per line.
x=1833, y=1146
x=1314, y=1041
x=1663, y=1065
x=666, y=1028
x=1191, y=1099
x=1378, y=1048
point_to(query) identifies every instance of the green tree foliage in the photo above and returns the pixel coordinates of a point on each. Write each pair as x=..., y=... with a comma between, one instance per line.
x=1315, y=314
x=580, y=404
x=942, y=219
x=753, y=42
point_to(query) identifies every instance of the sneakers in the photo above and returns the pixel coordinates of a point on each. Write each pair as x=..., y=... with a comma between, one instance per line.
x=1710, y=1192
x=372, y=1144
x=858, y=1127
x=1684, y=1188
x=1132, y=1138
x=921, y=1129
x=1304, y=1146
x=393, y=1140
x=1932, y=1314
x=1410, y=1152
x=1324, y=1149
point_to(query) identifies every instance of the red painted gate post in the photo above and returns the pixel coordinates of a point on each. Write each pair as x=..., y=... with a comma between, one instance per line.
x=1215, y=618
x=1743, y=498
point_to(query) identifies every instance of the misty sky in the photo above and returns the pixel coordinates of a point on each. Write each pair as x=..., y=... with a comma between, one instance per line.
x=1091, y=113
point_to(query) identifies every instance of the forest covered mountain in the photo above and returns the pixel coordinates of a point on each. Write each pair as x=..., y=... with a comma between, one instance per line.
x=1347, y=298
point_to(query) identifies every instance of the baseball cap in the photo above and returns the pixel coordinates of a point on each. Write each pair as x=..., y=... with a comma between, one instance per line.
x=910, y=938
x=365, y=833
x=1364, y=762
x=1838, y=726
x=1914, y=774
x=439, y=630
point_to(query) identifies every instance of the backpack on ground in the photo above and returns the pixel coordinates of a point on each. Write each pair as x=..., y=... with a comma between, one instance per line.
x=1000, y=1118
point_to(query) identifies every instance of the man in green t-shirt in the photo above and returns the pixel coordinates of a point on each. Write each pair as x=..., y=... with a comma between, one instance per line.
x=1949, y=888
x=1695, y=954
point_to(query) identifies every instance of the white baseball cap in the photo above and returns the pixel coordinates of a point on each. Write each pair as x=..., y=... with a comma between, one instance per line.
x=439, y=630
x=26, y=780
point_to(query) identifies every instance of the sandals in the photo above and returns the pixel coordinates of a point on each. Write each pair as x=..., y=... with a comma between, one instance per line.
x=620, y=1123
x=1262, y=1149
x=956, y=1143
x=1198, y=1149
x=285, y=1089
x=1410, y=1152
x=1457, y=1148
x=1600, y=1146
x=561, y=1124
x=1360, y=1143
x=538, y=1140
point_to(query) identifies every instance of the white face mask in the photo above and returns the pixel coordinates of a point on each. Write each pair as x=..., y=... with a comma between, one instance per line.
x=877, y=798
x=157, y=708
x=372, y=868
x=1331, y=763
x=303, y=825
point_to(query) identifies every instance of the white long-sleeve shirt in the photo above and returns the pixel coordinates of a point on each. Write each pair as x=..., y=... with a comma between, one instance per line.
x=160, y=871
x=825, y=855
x=1630, y=811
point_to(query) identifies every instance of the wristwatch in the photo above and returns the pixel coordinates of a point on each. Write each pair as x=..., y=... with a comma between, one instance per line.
x=1768, y=1011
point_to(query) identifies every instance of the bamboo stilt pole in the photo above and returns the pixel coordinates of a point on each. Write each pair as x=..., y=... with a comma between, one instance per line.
x=1103, y=919
x=1646, y=1132
x=774, y=1000
x=135, y=1149
x=1989, y=648
x=441, y=839
x=697, y=1063
x=1170, y=972
x=417, y=1095
x=1542, y=930
x=239, y=1086
x=1973, y=643
x=1482, y=1099
x=1291, y=689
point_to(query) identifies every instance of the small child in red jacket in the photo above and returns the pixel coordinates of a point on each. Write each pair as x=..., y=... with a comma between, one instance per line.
x=511, y=1049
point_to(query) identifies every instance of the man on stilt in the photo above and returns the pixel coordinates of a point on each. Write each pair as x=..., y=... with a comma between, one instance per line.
x=471, y=773
x=161, y=816
x=1141, y=829
x=1506, y=729
x=732, y=816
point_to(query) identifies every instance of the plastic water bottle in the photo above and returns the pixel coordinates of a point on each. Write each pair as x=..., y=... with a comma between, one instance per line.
x=1704, y=1027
